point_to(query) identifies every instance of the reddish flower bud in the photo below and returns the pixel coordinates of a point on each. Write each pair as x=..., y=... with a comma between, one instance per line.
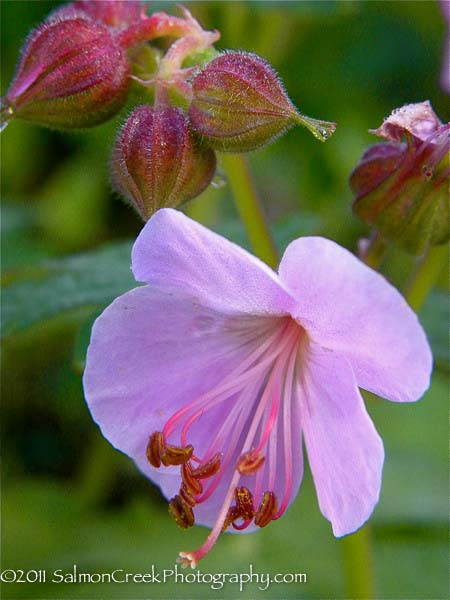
x=402, y=187
x=71, y=74
x=239, y=104
x=117, y=14
x=158, y=162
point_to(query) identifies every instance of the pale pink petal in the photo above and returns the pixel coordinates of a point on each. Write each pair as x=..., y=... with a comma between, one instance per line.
x=347, y=307
x=418, y=119
x=344, y=450
x=177, y=254
x=152, y=352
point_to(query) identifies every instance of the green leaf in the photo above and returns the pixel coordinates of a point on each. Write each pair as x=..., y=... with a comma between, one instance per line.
x=60, y=287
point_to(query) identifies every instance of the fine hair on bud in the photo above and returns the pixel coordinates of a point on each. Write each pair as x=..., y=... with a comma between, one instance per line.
x=157, y=160
x=240, y=104
x=71, y=74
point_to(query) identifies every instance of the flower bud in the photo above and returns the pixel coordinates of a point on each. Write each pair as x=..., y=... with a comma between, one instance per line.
x=117, y=14
x=158, y=162
x=239, y=104
x=402, y=187
x=71, y=74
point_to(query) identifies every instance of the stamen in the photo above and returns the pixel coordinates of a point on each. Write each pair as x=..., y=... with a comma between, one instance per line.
x=244, y=503
x=180, y=510
x=176, y=455
x=191, y=558
x=239, y=414
x=250, y=462
x=192, y=484
x=208, y=469
x=267, y=509
x=187, y=495
x=232, y=515
x=155, y=448
x=287, y=432
x=235, y=381
x=255, y=395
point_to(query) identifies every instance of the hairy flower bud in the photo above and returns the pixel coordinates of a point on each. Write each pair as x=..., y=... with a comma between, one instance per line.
x=158, y=162
x=71, y=74
x=239, y=104
x=117, y=14
x=402, y=187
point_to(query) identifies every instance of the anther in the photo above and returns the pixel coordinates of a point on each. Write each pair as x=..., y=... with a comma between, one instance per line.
x=187, y=495
x=192, y=484
x=232, y=515
x=250, y=462
x=244, y=503
x=181, y=512
x=154, y=449
x=208, y=469
x=267, y=509
x=176, y=455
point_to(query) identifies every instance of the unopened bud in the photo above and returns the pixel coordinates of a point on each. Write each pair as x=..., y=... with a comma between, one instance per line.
x=158, y=162
x=71, y=74
x=239, y=104
x=401, y=188
x=117, y=14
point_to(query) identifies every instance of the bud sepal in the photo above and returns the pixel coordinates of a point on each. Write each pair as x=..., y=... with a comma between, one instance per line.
x=239, y=104
x=157, y=160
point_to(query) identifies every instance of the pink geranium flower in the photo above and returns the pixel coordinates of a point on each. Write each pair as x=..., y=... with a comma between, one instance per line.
x=212, y=374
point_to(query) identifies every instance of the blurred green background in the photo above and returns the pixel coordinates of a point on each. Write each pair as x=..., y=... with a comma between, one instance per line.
x=69, y=498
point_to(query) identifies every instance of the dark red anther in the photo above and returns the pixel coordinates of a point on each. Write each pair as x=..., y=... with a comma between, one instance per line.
x=244, y=503
x=187, y=495
x=154, y=449
x=192, y=484
x=181, y=512
x=209, y=468
x=176, y=455
x=267, y=509
x=250, y=462
x=232, y=515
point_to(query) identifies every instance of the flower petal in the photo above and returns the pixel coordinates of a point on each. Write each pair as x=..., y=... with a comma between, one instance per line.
x=417, y=119
x=176, y=253
x=345, y=452
x=152, y=352
x=346, y=306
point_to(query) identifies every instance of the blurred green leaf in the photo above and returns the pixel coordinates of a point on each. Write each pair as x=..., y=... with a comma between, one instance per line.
x=435, y=317
x=415, y=436
x=82, y=342
x=57, y=287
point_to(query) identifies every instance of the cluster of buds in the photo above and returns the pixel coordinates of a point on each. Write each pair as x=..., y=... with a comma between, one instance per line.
x=77, y=68
x=401, y=186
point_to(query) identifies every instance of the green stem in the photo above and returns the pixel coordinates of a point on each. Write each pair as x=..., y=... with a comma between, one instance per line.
x=376, y=253
x=249, y=208
x=426, y=276
x=358, y=568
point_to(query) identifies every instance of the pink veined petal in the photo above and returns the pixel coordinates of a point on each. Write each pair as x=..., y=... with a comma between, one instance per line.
x=150, y=353
x=175, y=253
x=347, y=307
x=344, y=450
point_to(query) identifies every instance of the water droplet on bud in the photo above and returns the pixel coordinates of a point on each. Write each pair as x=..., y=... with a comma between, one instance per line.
x=219, y=181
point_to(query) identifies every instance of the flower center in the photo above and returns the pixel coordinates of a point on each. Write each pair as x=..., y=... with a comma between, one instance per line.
x=253, y=442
